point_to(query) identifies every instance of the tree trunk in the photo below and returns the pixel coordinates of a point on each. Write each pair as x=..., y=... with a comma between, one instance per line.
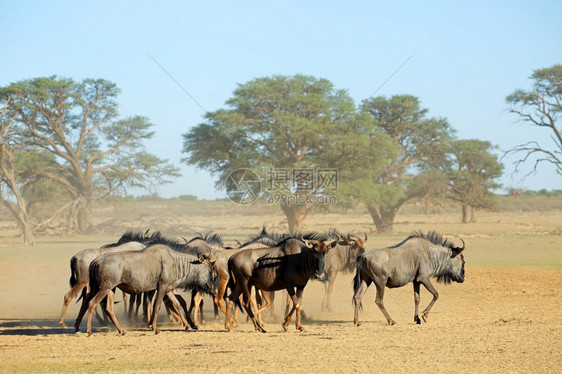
x=22, y=218
x=295, y=216
x=472, y=215
x=81, y=215
x=382, y=218
x=464, y=210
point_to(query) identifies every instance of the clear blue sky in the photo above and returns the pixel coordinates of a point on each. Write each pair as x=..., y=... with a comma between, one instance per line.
x=468, y=56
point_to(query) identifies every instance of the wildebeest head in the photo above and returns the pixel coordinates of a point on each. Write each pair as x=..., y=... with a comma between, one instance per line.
x=457, y=263
x=209, y=261
x=356, y=241
x=320, y=248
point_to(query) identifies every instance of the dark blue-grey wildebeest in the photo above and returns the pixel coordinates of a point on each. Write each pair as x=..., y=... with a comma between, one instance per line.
x=342, y=258
x=156, y=267
x=79, y=263
x=289, y=265
x=416, y=259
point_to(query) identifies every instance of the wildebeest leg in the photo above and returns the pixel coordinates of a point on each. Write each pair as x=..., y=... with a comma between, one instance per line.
x=235, y=294
x=216, y=310
x=328, y=286
x=147, y=298
x=137, y=306
x=416, y=302
x=250, y=305
x=223, y=282
x=92, y=304
x=266, y=297
x=183, y=304
x=257, y=305
x=102, y=321
x=298, y=318
x=125, y=304
x=178, y=306
x=272, y=298
x=109, y=308
x=196, y=302
x=287, y=304
x=379, y=300
x=131, y=308
x=427, y=284
x=365, y=283
x=68, y=297
x=83, y=309
x=294, y=299
x=173, y=314
x=156, y=308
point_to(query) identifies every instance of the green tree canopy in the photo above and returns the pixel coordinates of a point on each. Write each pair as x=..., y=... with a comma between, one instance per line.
x=397, y=156
x=95, y=152
x=472, y=171
x=276, y=122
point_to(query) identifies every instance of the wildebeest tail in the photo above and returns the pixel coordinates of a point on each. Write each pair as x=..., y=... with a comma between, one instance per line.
x=72, y=271
x=94, y=281
x=357, y=279
x=231, y=286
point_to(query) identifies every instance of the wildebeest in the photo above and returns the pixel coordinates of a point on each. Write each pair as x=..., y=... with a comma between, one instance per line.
x=79, y=263
x=156, y=267
x=342, y=257
x=289, y=265
x=416, y=259
x=205, y=244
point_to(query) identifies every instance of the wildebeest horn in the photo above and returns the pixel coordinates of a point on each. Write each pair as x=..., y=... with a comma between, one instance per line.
x=463, y=245
x=146, y=232
x=185, y=240
x=365, y=237
x=308, y=244
x=337, y=240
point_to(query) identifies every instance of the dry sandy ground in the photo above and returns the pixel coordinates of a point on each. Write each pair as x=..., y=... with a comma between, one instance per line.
x=502, y=319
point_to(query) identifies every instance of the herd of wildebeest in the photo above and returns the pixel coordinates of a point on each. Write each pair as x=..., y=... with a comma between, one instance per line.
x=150, y=269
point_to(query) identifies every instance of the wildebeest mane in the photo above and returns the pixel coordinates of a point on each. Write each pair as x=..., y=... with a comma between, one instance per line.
x=432, y=236
x=135, y=236
x=265, y=237
x=211, y=238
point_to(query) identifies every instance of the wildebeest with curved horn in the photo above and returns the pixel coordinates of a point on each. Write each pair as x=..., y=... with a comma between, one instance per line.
x=416, y=259
x=156, y=267
x=289, y=265
x=342, y=258
x=79, y=263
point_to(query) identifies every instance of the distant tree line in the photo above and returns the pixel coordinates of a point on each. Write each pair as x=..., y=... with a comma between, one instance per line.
x=387, y=151
x=63, y=146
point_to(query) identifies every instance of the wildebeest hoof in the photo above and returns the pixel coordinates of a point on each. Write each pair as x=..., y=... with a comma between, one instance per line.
x=417, y=320
x=424, y=317
x=391, y=323
x=286, y=328
x=357, y=324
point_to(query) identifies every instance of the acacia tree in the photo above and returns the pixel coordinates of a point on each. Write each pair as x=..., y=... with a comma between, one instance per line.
x=272, y=123
x=471, y=171
x=402, y=158
x=94, y=152
x=541, y=106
